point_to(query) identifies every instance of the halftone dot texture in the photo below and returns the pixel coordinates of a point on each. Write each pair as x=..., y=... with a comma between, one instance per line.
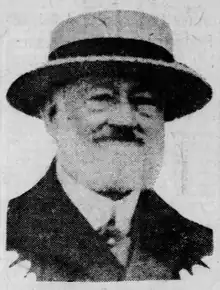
x=45, y=228
x=43, y=225
x=113, y=43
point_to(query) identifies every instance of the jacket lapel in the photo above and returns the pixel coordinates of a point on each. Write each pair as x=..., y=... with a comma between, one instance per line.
x=164, y=241
x=72, y=243
x=144, y=263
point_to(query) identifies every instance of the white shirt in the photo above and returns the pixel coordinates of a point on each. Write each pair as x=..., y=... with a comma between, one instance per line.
x=98, y=209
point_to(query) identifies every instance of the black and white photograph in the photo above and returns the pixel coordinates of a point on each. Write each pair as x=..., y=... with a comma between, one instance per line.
x=110, y=143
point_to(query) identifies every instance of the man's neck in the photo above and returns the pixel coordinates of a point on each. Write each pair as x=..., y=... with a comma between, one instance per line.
x=95, y=207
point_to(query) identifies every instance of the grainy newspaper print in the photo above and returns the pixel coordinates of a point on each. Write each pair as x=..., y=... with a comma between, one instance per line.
x=110, y=144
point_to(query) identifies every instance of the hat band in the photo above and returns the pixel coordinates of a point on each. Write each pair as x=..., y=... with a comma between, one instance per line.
x=112, y=47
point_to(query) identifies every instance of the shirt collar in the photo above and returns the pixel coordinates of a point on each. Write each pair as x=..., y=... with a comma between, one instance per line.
x=96, y=208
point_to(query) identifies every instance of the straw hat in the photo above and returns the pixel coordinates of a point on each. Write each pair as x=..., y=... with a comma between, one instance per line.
x=113, y=43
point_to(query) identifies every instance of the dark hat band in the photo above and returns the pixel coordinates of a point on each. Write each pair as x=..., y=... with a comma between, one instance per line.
x=112, y=47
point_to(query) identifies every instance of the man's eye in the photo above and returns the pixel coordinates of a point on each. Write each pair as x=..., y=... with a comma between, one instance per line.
x=101, y=98
x=100, y=102
x=145, y=106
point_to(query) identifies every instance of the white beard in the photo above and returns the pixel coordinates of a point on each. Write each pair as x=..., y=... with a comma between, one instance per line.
x=112, y=165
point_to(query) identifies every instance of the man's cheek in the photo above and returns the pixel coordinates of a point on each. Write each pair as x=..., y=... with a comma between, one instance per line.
x=85, y=128
x=154, y=142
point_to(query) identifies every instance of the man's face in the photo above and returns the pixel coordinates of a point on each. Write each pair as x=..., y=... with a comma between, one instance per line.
x=109, y=133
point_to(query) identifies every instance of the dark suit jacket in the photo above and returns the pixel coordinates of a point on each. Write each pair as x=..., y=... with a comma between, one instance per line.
x=45, y=227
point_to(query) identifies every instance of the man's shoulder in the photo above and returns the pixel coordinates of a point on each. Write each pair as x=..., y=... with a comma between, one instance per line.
x=199, y=237
x=34, y=202
x=169, y=236
x=196, y=239
x=195, y=243
x=42, y=190
x=21, y=208
x=31, y=212
x=27, y=198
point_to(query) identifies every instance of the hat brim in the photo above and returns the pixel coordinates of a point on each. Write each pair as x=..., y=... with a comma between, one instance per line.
x=183, y=89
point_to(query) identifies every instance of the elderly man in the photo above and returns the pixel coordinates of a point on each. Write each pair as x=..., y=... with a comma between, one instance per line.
x=110, y=85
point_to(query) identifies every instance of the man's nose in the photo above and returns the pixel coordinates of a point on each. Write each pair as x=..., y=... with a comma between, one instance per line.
x=123, y=114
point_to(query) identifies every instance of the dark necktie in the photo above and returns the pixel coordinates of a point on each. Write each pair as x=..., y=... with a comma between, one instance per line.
x=119, y=243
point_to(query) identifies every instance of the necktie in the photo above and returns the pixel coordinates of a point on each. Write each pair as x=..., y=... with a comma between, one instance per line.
x=118, y=242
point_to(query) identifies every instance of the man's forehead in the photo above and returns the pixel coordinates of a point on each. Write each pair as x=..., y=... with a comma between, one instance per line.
x=126, y=83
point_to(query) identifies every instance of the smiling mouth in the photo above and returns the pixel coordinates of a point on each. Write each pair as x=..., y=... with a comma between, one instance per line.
x=123, y=139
